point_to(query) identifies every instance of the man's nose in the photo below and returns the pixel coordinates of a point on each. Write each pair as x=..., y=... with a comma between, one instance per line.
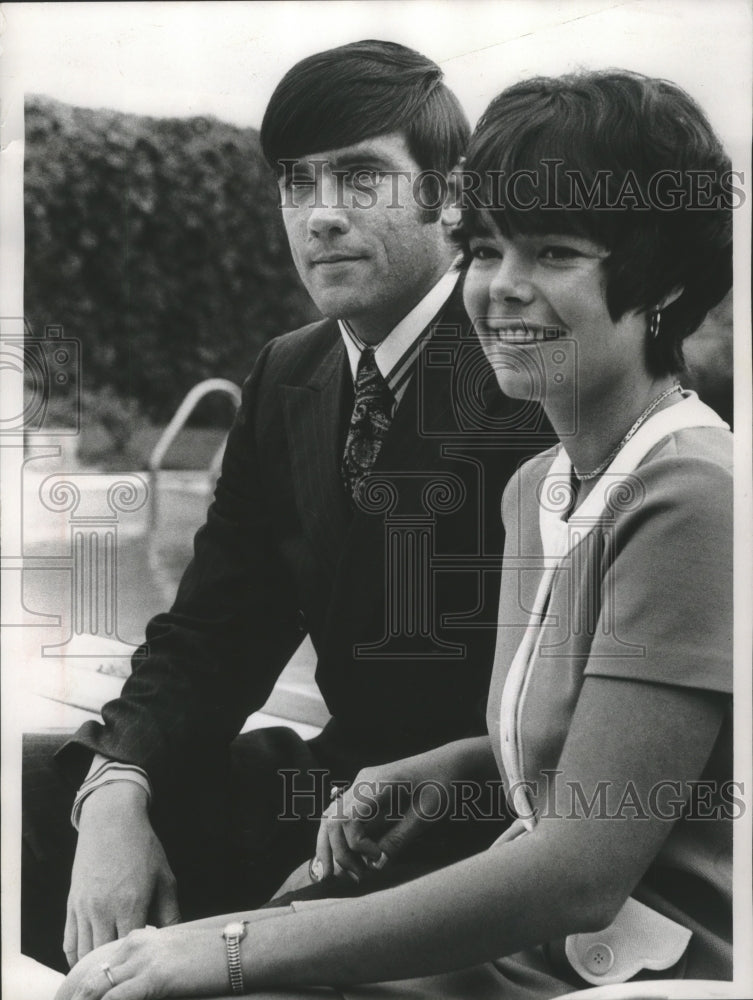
x=512, y=281
x=329, y=212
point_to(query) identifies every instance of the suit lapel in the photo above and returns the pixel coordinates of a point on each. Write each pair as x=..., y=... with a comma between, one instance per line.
x=313, y=414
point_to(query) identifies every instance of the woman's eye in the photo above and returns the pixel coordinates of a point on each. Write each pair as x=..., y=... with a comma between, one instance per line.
x=560, y=253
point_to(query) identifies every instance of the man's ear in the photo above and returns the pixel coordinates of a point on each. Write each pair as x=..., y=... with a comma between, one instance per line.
x=450, y=216
x=451, y=213
x=670, y=297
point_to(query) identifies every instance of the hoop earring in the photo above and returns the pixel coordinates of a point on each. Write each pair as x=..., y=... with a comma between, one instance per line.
x=654, y=324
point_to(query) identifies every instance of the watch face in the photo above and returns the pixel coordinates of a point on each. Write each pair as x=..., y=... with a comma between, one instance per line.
x=234, y=929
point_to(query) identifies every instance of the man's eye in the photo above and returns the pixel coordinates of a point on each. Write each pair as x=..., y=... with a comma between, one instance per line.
x=367, y=176
x=481, y=251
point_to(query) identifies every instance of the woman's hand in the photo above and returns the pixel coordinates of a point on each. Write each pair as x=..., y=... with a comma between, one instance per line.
x=388, y=807
x=369, y=823
x=147, y=964
x=85, y=969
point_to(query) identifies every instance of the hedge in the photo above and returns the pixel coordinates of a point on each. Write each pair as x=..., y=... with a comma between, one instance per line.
x=158, y=244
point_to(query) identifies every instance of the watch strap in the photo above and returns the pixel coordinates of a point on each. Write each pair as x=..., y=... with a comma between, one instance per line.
x=234, y=967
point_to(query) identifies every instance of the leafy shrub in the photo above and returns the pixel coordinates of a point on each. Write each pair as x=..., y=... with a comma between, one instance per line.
x=158, y=244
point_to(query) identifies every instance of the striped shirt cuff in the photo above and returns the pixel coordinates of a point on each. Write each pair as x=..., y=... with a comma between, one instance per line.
x=104, y=771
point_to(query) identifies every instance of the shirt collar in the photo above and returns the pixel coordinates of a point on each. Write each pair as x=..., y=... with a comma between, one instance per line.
x=390, y=354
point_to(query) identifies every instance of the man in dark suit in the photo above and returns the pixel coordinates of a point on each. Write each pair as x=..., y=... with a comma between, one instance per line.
x=358, y=502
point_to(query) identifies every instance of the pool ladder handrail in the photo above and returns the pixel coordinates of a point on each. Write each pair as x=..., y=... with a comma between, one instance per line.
x=191, y=400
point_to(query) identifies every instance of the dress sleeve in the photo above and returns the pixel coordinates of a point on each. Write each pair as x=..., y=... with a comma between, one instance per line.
x=666, y=584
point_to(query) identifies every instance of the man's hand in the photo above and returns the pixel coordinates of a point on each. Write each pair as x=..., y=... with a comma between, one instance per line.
x=121, y=878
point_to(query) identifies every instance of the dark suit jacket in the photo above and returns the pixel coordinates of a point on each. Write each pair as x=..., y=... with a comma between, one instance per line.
x=283, y=553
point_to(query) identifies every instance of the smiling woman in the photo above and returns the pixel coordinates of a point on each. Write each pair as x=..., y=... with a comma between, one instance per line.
x=534, y=293
x=614, y=285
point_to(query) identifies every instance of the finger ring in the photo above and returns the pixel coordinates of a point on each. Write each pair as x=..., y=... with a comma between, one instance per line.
x=316, y=870
x=336, y=791
x=107, y=971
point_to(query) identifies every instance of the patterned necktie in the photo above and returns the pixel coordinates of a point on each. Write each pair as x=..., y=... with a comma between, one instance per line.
x=372, y=415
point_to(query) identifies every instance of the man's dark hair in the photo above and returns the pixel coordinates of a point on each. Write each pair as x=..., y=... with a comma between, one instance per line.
x=362, y=90
x=604, y=128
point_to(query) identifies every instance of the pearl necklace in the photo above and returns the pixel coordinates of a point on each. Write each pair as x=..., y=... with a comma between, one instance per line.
x=585, y=476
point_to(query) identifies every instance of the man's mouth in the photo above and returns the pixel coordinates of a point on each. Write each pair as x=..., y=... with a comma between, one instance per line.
x=511, y=331
x=334, y=258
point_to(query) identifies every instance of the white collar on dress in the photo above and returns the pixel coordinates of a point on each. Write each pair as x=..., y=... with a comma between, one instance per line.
x=556, y=491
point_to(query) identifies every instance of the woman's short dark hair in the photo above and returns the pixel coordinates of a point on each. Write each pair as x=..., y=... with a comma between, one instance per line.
x=628, y=161
x=361, y=90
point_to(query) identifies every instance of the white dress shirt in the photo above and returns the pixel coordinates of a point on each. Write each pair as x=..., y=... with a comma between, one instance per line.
x=394, y=356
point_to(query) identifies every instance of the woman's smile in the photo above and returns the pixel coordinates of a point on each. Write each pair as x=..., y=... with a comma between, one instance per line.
x=537, y=293
x=518, y=331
